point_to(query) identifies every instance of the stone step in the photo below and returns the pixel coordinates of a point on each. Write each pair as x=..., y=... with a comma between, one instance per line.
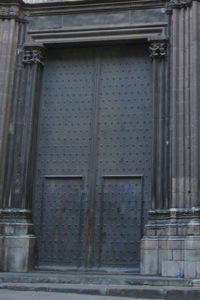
x=147, y=292
x=196, y=282
x=92, y=278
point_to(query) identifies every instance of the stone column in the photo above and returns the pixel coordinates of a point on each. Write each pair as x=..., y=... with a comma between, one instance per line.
x=185, y=104
x=20, y=82
x=171, y=244
x=160, y=165
x=12, y=24
x=160, y=162
x=18, y=239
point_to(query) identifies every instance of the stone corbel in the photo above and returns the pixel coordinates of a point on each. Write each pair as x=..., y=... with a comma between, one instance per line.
x=14, y=12
x=158, y=49
x=34, y=54
x=178, y=4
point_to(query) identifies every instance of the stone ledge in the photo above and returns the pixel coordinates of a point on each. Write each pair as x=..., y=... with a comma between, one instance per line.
x=10, y=229
x=9, y=214
x=174, y=213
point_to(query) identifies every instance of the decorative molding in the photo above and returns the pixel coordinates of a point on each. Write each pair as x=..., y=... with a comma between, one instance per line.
x=144, y=32
x=64, y=7
x=9, y=213
x=158, y=50
x=177, y=213
x=33, y=54
x=13, y=12
x=177, y=4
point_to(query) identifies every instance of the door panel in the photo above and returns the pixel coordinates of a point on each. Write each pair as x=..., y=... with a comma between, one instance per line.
x=92, y=186
x=124, y=150
x=121, y=223
x=63, y=151
x=62, y=219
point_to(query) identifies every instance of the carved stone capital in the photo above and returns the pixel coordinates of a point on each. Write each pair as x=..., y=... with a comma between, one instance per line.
x=158, y=50
x=34, y=54
x=13, y=12
x=178, y=4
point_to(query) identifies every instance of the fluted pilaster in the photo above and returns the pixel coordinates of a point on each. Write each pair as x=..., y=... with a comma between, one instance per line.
x=12, y=24
x=8, y=39
x=16, y=231
x=160, y=166
x=185, y=107
x=20, y=146
x=172, y=236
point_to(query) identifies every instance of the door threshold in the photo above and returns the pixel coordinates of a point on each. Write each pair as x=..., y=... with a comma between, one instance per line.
x=97, y=271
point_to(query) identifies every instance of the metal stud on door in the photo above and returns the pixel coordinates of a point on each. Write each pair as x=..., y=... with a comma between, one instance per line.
x=63, y=157
x=92, y=185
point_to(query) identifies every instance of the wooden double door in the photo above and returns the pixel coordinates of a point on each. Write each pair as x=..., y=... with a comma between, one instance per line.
x=94, y=149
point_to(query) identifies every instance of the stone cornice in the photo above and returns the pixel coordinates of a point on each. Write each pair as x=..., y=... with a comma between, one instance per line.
x=177, y=4
x=13, y=11
x=63, y=7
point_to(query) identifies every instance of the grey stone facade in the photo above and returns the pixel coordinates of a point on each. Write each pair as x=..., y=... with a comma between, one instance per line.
x=171, y=236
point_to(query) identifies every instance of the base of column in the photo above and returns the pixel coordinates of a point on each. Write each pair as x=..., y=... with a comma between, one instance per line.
x=17, y=242
x=171, y=244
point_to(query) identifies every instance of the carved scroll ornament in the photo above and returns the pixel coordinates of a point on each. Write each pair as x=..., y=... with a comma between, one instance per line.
x=158, y=50
x=33, y=57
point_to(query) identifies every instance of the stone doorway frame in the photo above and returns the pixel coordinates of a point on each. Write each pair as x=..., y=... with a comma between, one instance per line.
x=32, y=55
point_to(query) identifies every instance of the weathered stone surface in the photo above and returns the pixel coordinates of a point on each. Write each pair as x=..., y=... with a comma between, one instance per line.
x=148, y=16
x=170, y=268
x=177, y=255
x=180, y=254
x=149, y=261
x=94, y=19
x=17, y=253
x=190, y=268
x=45, y=22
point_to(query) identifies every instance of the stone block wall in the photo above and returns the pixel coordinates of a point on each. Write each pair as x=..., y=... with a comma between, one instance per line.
x=171, y=256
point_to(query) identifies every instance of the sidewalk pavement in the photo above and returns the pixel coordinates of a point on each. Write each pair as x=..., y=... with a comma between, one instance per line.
x=27, y=295
x=92, y=286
